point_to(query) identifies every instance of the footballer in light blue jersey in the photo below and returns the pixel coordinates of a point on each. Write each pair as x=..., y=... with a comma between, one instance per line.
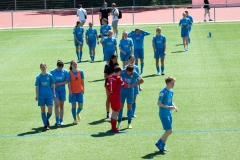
x=91, y=40
x=138, y=43
x=130, y=77
x=190, y=27
x=125, y=47
x=45, y=92
x=185, y=23
x=60, y=79
x=159, y=48
x=166, y=106
x=104, y=28
x=109, y=46
x=78, y=33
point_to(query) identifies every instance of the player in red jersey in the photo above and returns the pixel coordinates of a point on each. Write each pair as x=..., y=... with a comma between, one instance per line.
x=114, y=84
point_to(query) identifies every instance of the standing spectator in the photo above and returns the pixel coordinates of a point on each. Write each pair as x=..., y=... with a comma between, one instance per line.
x=45, y=92
x=159, y=48
x=125, y=47
x=109, y=46
x=76, y=90
x=166, y=106
x=138, y=43
x=78, y=39
x=104, y=12
x=82, y=14
x=190, y=27
x=114, y=86
x=206, y=10
x=108, y=71
x=60, y=79
x=185, y=23
x=115, y=14
x=91, y=40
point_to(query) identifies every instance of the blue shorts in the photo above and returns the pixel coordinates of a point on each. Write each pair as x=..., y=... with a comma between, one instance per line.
x=61, y=95
x=77, y=44
x=159, y=53
x=125, y=57
x=184, y=32
x=107, y=55
x=139, y=53
x=166, y=122
x=76, y=97
x=92, y=43
x=45, y=101
x=127, y=95
x=136, y=90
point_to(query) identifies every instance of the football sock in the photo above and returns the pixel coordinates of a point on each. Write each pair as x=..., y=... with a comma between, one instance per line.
x=113, y=123
x=162, y=145
x=162, y=69
x=133, y=109
x=142, y=65
x=74, y=113
x=48, y=116
x=120, y=115
x=159, y=142
x=136, y=64
x=79, y=110
x=188, y=40
x=77, y=53
x=44, y=119
x=90, y=50
x=57, y=119
x=158, y=69
x=60, y=120
x=129, y=114
x=80, y=57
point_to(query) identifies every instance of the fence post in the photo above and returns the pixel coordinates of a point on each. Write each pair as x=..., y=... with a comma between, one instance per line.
x=92, y=16
x=45, y=4
x=133, y=14
x=12, y=17
x=52, y=17
x=214, y=13
x=173, y=14
x=15, y=4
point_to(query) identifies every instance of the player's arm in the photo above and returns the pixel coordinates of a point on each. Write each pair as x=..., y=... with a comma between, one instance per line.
x=53, y=90
x=116, y=49
x=37, y=88
x=164, y=48
x=160, y=104
x=145, y=33
x=75, y=37
x=153, y=45
x=139, y=81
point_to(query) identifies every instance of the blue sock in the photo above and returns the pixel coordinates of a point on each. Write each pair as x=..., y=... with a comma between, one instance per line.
x=162, y=69
x=162, y=146
x=120, y=115
x=136, y=64
x=90, y=50
x=133, y=109
x=44, y=119
x=60, y=120
x=189, y=40
x=74, y=113
x=80, y=57
x=142, y=65
x=48, y=116
x=77, y=53
x=158, y=69
x=129, y=114
x=57, y=119
x=79, y=110
x=159, y=142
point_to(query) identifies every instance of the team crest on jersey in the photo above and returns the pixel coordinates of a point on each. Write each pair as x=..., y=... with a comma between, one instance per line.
x=47, y=78
x=161, y=94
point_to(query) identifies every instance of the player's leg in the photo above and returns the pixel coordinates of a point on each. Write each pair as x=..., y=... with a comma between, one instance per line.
x=136, y=56
x=115, y=105
x=130, y=97
x=57, y=108
x=43, y=115
x=81, y=52
x=107, y=103
x=73, y=100
x=162, y=66
x=141, y=56
x=77, y=52
x=49, y=104
x=62, y=98
x=80, y=101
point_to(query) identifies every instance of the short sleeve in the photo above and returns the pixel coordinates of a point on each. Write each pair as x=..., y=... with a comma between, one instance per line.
x=161, y=95
x=82, y=74
x=37, y=81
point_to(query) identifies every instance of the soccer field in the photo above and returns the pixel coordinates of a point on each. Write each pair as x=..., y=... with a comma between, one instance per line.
x=206, y=92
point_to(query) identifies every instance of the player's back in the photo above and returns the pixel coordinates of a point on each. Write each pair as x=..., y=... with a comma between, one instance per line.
x=114, y=84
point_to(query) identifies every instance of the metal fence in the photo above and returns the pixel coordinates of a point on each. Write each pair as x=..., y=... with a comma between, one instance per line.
x=131, y=16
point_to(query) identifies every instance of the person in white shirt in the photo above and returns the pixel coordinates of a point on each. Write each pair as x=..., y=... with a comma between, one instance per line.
x=115, y=14
x=82, y=14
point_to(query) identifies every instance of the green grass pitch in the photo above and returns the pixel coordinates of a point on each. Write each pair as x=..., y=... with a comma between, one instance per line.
x=206, y=92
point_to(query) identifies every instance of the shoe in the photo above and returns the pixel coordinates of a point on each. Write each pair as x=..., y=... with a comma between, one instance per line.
x=210, y=20
x=118, y=125
x=57, y=123
x=158, y=147
x=75, y=122
x=79, y=61
x=162, y=74
x=116, y=130
x=48, y=124
x=205, y=20
x=61, y=123
x=116, y=36
x=78, y=117
x=187, y=48
x=129, y=126
x=46, y=127
x=108, y=115
x=159, y=73
x=134, y=116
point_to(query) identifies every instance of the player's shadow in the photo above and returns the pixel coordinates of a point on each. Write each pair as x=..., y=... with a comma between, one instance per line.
x=179, y=44
x=149, y=76
x=99, y=121
x=96, y=61
x=153, y=155
x=97, y=80
x=177, y=52
x=105, y=134
x=42, y=129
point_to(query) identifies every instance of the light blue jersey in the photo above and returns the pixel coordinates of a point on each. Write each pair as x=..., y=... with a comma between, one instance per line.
x=135, y=69
x=185, y=23
x=126, y=44
x=91, y=34
x=138, y=39
x=159, y=41
x=59, y=76
x=104, y=29
x=129, y=79
x=165, y=96
x=191, y=19
x=109, y=44
x=44, y=82
x=78, y=32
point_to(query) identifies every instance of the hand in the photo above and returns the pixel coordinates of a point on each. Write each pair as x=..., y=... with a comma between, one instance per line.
x=124, y=53
x=70, y=94
x=140, y=88
x=54, y=95
x=83, y=92
x=164, y=53
x=80, y=43
x=154, y=49
x=36, y=98
x=176, y=109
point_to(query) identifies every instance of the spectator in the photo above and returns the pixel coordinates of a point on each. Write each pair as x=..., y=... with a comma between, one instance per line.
x=104, y=12
x=115, y=14
x=206, y=10
x=82, y=14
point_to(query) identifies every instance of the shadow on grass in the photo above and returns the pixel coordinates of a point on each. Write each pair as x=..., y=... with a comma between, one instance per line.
x=105, y=134
x=96, y=61
x=149, y=76
x=99, y=121
x=153, y=155
x=179, y=44
x=177, y=52
x=42, y=129
x=77, y=62
x=97, y=80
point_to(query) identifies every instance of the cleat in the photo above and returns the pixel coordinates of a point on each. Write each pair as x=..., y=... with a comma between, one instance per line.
x=118, y=125
x=210, y=19
x=129, y=126
x=75, y=122
x=158, y=73
x=116, y=130
x=134, y=116
x=57, y=123
x=46, y=127
x=61, y=123
x=205, y=20
x=78, y=117
x=108, y=115
x=162, y=74
x=158, y=147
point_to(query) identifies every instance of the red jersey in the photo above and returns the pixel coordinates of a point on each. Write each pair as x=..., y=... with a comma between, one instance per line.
x=114, y=84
